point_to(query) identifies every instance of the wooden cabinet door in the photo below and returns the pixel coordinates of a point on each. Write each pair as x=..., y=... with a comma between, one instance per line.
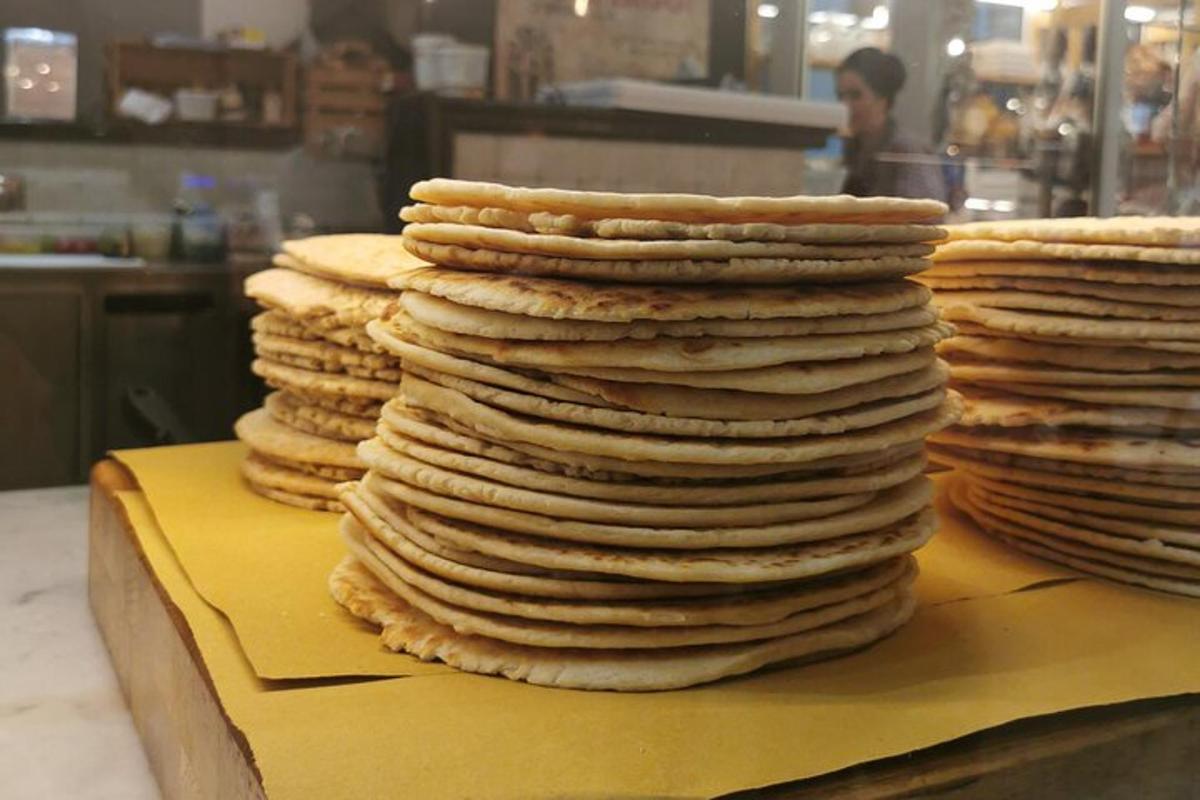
x=40, y=366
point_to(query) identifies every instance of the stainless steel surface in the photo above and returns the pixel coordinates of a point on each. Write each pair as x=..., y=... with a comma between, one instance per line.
x=1106, y=118
x=64, y=261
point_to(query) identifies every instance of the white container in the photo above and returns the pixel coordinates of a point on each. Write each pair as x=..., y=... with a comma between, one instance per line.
x=196, y=105
x=426, y=67
x=462, y=69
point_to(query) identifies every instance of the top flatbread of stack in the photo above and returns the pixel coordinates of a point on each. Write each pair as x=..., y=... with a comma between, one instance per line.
x=362, y=259
x=677, y=207
x=1149, y=231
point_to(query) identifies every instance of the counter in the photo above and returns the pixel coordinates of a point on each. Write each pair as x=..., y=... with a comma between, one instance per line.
x=64, y=728
x=117, y=356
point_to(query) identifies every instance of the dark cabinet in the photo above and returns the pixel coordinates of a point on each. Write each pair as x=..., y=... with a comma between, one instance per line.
x=40, y=371
x=95, y=360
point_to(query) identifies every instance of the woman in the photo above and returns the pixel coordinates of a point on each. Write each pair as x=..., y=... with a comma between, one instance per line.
x=880, y=159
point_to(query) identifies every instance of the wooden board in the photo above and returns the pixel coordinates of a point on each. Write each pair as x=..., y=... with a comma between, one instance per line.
x=1142, y=749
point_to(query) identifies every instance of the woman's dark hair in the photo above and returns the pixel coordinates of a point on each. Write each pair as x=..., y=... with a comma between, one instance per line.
x=883, y=72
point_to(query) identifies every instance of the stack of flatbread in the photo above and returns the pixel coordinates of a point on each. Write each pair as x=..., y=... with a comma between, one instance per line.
x=645, y=442
x=330, y=377
x=1080, y=363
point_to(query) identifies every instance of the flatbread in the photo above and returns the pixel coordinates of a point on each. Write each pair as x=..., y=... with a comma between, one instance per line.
x=436, y=312
x=1131, y=293
x=1005, y=374
x=398, y=467
x=802, y=378
x=264, y=472
x=415, y=424
x=277, y=441
x=749, y=608
x=1147, y=231
x=409, y=630
x=471, y=568
x=350, y=406
x=705, y=354
x=617, y=302
x=1145, y=454
x=1124, y=474
x=1073, y=329
x=1183, y=400
x=857, y=417
x=1151, y=557
x=324, y=352
x=445, y=402
x=1066, y=304
x=1142, y=364
x=671, y=400
x=725, y=565
x=886, y=508
x=365, y=259
x=732, y=404
x=679, y=207
x=310, y=502
x=316, y=301
x=378, y=455
x=1157, y=346
x=284, y=376
x=678, y=270
x=402, y=580
x=479, y=237
x=316, y=420
x=1104, y=272
x=1062, y=481
x=1137, y=520
x=975, y=249
x=653, y=230
x=989, y=407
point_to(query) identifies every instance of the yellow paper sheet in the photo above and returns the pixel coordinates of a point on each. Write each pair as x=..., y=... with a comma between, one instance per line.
x=291, y=628
x=262, y=563
x=958, y=667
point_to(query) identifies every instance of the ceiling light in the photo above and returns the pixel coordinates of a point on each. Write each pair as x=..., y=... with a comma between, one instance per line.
x=768, y=10
x=1139, y=14
x=956, y=47
x=581, y=8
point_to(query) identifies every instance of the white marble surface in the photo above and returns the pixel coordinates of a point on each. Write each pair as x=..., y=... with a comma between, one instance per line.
x=64, y=729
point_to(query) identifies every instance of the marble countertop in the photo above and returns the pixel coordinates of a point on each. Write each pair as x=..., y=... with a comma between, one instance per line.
x=64, y=727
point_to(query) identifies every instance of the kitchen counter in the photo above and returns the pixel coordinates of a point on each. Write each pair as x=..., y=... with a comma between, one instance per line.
x=64, y=727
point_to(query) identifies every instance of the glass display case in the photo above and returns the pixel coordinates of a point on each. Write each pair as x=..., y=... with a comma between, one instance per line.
x=1032, y=108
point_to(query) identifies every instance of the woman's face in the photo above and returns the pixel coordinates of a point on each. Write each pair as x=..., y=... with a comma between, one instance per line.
x=868, y=111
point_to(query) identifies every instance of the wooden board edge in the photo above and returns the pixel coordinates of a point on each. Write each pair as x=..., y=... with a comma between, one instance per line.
x=193, y=747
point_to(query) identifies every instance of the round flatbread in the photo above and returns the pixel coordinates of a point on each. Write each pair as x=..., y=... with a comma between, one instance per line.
x=318, y=421
x=1184, y=401
x=407, y=629
x=653, y=230
x=1072, y=329
x=621, y=302
x=678, y=270
x=975, y=249
x=443, y=402
x=1062, y=480
x=866, y=415
x=1124, y=292
x=1145, y=231
x=1072, y=306
x=364, y=259
x=277, y=441
x=988, y=407
x=299, y=380
x=379, y=454
x=316, y=301
x=1105, y=272
x=264, y=472
x=679, y=207
x=443, y=315
x=1166, y=368
x=705, y=354
x=1147, y=455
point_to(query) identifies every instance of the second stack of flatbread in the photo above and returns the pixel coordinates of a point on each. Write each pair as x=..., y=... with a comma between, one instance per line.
x=1079, y=361
x=330, y=378
x=670, y=439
